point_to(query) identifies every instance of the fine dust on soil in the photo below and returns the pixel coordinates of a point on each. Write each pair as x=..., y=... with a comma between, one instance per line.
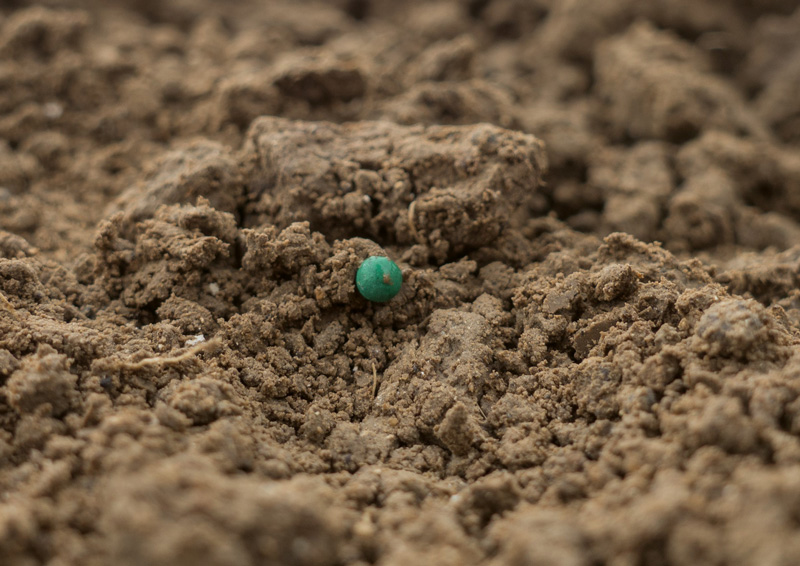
x=188, y=375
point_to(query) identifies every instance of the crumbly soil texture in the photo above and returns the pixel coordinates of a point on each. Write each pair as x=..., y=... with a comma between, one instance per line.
x=595, y=356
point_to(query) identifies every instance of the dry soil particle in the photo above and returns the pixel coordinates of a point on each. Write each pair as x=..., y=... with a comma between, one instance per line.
x=449, y=189
x=188, y=374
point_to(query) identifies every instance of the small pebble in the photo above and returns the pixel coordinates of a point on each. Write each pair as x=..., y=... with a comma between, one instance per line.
x=194, y=341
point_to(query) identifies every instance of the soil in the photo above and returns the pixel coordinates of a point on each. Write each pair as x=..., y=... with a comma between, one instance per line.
x=595, y=356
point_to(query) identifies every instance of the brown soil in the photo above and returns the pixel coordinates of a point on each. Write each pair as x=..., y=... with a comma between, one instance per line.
x=595, y=357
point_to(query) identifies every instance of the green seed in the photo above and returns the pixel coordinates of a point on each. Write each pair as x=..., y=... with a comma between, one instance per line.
x=378, y=279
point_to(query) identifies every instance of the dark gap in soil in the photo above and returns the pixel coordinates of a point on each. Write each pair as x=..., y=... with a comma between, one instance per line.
x=358, y=9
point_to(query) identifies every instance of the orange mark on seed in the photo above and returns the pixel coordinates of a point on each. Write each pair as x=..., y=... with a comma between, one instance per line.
x=387, y=279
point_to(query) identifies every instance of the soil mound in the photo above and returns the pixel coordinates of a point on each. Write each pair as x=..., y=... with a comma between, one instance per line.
x=594, y=357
